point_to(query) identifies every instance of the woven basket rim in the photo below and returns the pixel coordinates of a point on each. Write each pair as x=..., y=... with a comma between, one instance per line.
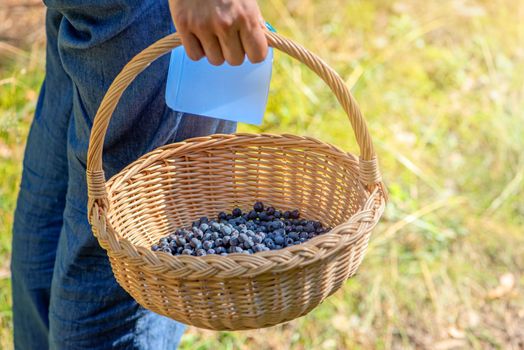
x=199, y=142
x=308, y=252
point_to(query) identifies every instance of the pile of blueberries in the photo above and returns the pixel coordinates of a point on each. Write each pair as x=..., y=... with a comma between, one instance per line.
x=261, y=229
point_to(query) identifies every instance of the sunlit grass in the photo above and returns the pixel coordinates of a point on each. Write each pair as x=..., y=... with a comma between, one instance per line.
x=441, y=84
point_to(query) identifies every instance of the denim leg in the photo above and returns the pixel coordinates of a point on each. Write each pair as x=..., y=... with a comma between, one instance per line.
x=41, y=201
x=88, y=309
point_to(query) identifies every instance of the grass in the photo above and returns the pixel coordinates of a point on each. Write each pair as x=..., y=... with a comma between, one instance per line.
x=441, y=84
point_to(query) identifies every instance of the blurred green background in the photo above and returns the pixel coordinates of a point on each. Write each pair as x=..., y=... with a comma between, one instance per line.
x=441, y=84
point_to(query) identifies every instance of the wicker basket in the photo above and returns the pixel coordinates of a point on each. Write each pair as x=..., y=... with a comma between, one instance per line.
x=178, y=183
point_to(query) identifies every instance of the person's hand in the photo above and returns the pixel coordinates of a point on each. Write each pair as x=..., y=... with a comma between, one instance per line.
x=220, y=30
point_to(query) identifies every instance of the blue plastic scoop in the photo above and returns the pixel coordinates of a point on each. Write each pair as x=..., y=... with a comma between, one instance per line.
x=236, y=93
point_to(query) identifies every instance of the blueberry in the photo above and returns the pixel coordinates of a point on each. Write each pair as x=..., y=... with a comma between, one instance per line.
x=279, y=239
x=259, y=207
x=280, y=232
x=309, y=227
x=220, y=250
x=226, y=239
x=188, y=246
x=302, y=240
x=163, y=241
x=155, y=247
x=299, y=228
x=235, y=250
x=208, y=245
x=204, y=220
x=295, y=214
x=304, y=235
x=198, y=233
x=215, y=226
x=200, y=252
x=227, y=230
x=165, y=250
x=263, y=216
x=207, y=236
x=277, y=214
x=270, y=210
x=252, y=215
x=262, y=235
x=195, y=243
x=211, y=251
x=214, y=235
x=248, y=244
x=237, y=212
x=187, y=252
x=222, y=216
x=286, y=215
x=180, y=241
x=293, y=235
x=259, y=247
x=269, y=243
x=171, y=237
x=219, y=242
x=234, y=241
x=241, y=221
x=204, y=227
x=289, y=241
x=195, y=224
x=179, y=250
x=250, y=251
x=311, y=235
x=243, y=237
x=257, y=239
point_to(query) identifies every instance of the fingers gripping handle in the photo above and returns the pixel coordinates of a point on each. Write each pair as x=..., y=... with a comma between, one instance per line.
x=369, y=172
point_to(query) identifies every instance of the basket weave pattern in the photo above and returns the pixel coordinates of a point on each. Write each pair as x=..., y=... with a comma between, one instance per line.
x=178, y=183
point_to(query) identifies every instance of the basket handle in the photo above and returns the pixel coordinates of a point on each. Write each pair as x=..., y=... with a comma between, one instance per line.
x=368, y=166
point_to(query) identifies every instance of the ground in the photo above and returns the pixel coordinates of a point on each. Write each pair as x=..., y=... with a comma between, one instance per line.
x=441, y=84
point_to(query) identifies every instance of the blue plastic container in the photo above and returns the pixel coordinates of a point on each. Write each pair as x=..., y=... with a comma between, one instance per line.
x=237, y=93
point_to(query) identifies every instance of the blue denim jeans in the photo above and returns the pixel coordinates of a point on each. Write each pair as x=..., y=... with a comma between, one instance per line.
x=64, y=292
